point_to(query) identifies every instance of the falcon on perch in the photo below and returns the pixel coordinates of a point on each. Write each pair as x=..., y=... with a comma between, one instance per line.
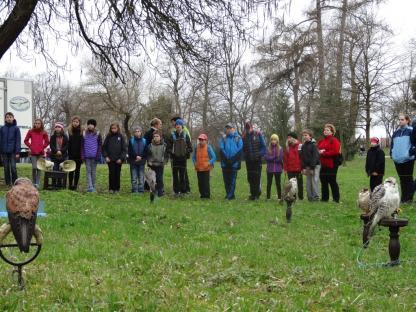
x=22, y=202
x=384, y=203
x=289, y=196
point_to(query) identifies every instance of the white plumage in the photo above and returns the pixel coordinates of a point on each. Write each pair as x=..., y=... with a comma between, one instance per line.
x=289, y=196
x=384, y=202
x=150, y=177
x=363, y=201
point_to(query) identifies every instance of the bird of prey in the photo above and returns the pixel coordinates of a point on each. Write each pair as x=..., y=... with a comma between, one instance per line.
x=384, y=203
x=150, y=177
x=22, y=202
x=289, y=196
x=363, y=201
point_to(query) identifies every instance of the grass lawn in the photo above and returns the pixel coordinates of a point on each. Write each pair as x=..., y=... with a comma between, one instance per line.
x=118, y=253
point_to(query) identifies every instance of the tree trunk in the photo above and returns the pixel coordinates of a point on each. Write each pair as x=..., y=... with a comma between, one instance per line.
x=296, y=84
x=15, y=23
x=126, y=126
x=321, y=53
x=340, y=53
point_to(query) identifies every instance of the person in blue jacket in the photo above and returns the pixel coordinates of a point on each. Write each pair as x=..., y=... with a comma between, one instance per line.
x=231, y=146
x=401, y=151
x=137, y=160
x=10, y=147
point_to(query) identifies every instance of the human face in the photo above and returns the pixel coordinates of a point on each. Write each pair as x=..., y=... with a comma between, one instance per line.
x=327, y=131
x=178, y=128
x=373, y=144
x=156, y=137
x=306, y=137
x=58, y=129
x=228, y=130
x=159, y=126
x=137, y=133
x=202, y=141
x=402, y=121
x=114, y=129
x=9, y=118
x=75, y=123
x=37, y=124
x=273, y=141
x=90, y=127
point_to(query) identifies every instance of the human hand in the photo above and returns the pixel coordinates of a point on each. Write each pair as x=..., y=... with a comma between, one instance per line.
x=107, y=160
x=118, y=161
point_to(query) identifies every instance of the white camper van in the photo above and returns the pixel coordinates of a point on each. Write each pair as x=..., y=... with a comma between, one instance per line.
x=16, y=96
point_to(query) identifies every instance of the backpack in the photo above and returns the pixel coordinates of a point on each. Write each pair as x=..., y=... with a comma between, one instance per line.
x=338, y=159
x=180, y=149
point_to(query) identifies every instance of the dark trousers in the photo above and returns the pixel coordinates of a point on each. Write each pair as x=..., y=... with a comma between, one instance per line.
x=277, y=176
x=254, y=177
x=10, y=171
x=56, y=163
x=178, y=172
x=374, y=181
x=74, y=175
x=159, y=179
x=203, y=184
x=230, y=177
x=405, y=173
x=299, y=179
x=114, y=170
x=328, y=177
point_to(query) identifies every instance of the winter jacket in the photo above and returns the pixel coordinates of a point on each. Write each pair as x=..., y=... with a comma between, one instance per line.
x=175, y=136
x=91, y=145
x=37, y=140
x=54, y=147
x=10, y=140
x=254, y=146
x=115, y=147
x=291, y=157
x=401, y=145
x=231, y=147
x=332, y=148
x=184, y=129
x=137, y=147
x=309, y=155
x=203, y=157
x=74, y=143
x=375, y=161
x=274, y=160
x=156, y=154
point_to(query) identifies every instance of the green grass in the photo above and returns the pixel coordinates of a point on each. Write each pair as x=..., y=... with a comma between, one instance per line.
x=118, y=253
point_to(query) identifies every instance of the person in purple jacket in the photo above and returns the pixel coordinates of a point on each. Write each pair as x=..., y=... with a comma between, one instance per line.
x=91, y=152
x=274, y=160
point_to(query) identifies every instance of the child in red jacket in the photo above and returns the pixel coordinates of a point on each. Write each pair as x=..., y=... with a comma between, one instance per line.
x=36, y=140
x=291, y=161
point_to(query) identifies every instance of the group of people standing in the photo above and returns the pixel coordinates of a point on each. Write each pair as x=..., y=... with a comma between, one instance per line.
x=315, y=160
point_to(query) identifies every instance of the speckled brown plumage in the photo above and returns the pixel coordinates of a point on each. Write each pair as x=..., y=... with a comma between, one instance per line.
x=23, y=200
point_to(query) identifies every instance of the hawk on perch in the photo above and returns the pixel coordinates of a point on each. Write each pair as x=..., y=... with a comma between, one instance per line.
x=22, y=202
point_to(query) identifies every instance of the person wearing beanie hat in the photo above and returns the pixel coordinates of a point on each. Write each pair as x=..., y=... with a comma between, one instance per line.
x=310, y=164
x=203, y=158
x=329, y=150
x=231, y=146
x=59, y=149
x=180, y=149
x=91, y=153
x=137, y=160
x=254, y=147
x=292, y=163
x=375, y=163
x=274, y=168
x=10, y=145
x=74, y=150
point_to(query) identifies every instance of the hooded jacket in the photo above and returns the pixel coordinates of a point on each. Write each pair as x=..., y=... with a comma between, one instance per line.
x=10, y=140
x=54, y=146
x=291, y=157
x=401, y=145
x=37, y=140
x=309, y=155
x=375, y=161
x=137, y=147
x=231, y=146
x=332, y=148
x=114, y=147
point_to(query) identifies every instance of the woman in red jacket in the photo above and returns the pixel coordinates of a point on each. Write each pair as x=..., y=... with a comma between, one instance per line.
x=329, y=148
x=291, y=161
x=36, y=140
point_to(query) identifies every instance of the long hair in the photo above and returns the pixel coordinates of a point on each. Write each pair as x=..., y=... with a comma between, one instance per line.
x=42, y=126
x=118, y=128
x=71, y=127
x=277, y=144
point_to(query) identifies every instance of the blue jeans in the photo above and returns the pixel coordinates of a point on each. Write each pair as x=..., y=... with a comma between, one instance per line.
x=137, y=177
x=91, y=169
x=10, y=171
x=230, y=178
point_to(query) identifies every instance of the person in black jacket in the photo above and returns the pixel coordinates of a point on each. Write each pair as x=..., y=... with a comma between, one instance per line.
x=180, y=149
x=375, y=163
x=59, y=149
x=74, y=150
x=114, y=152
x=310, y=164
